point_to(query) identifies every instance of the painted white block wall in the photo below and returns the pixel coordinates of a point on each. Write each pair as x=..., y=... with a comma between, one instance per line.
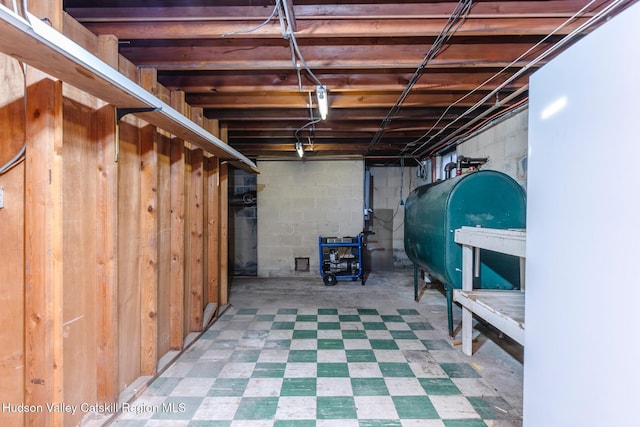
x=505, y=144
x=582, y=317
x=301, y=200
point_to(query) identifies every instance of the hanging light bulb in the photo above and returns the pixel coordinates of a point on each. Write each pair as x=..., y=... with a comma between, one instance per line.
x=299, y=149
x=323, y=103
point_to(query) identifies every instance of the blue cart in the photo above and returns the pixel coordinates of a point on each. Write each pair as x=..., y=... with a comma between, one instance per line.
x=341, y=258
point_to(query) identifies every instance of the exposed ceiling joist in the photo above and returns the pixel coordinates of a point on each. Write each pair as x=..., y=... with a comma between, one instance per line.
x=243, y=71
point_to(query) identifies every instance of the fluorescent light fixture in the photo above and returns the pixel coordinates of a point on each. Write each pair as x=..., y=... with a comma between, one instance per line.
x=299, y=149
x=323, y=103
x=554, y=108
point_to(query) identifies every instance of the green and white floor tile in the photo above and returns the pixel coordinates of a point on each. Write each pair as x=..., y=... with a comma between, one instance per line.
x=310, y=367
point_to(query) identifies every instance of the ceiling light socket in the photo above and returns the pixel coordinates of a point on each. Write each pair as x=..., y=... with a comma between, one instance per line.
x=323, y=102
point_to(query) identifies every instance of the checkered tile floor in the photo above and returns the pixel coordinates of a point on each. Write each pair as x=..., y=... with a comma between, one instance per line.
x=313, y=367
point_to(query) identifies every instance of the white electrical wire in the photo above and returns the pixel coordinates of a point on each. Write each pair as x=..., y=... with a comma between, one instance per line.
x=14, y=161
x=540, y=57
x=301, y=128
x=287, y=34
x=250, y=30
x=455, y=20
x=20, y=156
x=497, y=74
x=292, y=39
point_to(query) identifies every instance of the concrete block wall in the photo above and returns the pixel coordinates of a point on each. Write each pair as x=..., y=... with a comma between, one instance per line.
x=506, y=145
x=299, y=201
x=391, y=186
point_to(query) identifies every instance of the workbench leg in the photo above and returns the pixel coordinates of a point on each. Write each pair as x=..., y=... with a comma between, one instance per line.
x=467, y=331
x=467, y=285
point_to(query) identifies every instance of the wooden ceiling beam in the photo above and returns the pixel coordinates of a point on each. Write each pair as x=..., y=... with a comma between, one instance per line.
x=365, y=51
x=351, y=147
x=437, y=79
x=288, y=146
x=249, y=129
x=472, y=56
x=287, y=133
x=334, y=28
x=336, y=100
x=288, y=114
x=370, y=10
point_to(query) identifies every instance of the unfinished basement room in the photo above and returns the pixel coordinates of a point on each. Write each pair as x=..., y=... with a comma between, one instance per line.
x=305, y=213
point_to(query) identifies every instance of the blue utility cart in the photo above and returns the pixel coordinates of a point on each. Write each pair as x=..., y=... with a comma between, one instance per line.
x=340, y=259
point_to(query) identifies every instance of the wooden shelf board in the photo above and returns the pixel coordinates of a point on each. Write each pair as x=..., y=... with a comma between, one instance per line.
x=36, y=44
x=502, y=309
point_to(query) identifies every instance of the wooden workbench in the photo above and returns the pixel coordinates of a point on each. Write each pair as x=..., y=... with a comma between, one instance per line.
x=502, y=309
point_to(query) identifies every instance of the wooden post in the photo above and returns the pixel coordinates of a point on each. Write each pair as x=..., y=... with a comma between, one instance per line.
x=148, y=252
x=12, y=138
x=196, y=240
x=148, y=240
x=44, y=288
x=213, y=231
x=213, y=220
x=223, y=198
x=43, y=251
x=107, y=241
x=176, y=294
x=224, y=223
x=176, y=298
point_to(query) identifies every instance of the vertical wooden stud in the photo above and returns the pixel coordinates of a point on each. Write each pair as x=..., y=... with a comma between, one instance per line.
x=12, y=253
x=196, y=240
x=107, y=241
x=197, y=234
x=43, y=251
x=148, y=239
x=148, y=252
x=224, y=233
x=44, y=237
x=213, y=231
x=224, y=223
x=186, y=314
x=213, y=220
x=176, y=297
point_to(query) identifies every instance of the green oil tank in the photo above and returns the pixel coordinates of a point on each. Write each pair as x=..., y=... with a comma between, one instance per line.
x=434, y=211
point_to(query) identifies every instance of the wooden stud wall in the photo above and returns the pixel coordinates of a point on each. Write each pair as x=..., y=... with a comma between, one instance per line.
x=224, y=229
x=43, y=296
x=163, y=212
x=196, y=280
x=148, y=241
x=107, y=238
x=212, y=290
x=12, y=232
x=126, y=244
x=106, y=257
x=79, y=254
x=129, y=334
x=176, y=294
x=148, y=252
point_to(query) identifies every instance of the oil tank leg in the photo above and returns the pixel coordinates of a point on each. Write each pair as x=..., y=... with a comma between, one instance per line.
x=449, y=293
x=415, y=283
